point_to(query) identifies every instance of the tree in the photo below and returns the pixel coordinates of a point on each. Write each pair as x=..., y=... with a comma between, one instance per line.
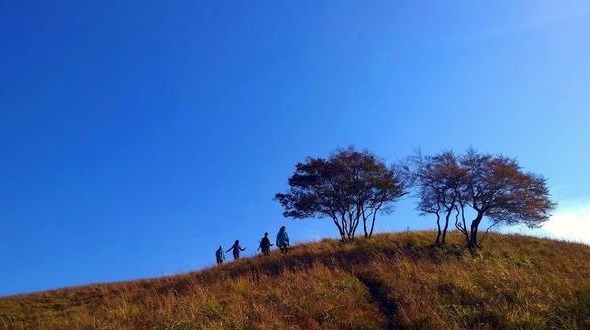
x=349, y=187
x=440, y=181
x=498, y=189
x=494, y=187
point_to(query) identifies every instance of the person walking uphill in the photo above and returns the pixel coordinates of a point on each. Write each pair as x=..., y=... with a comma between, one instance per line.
x=265, y=245
x=283, y=240
x=236, y=248
x=219, y=255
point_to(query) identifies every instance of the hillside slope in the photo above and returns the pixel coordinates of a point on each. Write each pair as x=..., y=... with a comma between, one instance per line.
x=391, y=281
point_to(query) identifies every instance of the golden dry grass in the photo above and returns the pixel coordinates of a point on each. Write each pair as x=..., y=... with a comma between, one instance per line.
x=391, y=281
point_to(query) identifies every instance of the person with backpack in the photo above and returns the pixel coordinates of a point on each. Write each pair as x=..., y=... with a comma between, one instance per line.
x=220, y=256
x=265, y=245
x=283, y=240
x=236, y=248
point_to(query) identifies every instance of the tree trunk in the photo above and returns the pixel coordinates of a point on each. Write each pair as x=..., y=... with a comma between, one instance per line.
x=365, y=228
x=349, y=225
x=373, y=223
x=352, y=226
x=472, y=243
x=343, y=225
x=438, y=228
x=464, y=224
x=340, y=229
x=444, y=233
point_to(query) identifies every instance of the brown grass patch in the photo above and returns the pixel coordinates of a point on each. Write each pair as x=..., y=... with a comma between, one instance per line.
x=390, y=281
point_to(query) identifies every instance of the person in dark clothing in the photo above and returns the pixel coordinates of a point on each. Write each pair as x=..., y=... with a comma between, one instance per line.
x=219, y=255
x=283, y=240
x=236, y=248
x=265, y=245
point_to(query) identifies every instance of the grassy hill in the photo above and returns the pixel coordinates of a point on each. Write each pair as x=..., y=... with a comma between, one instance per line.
x=391, y=281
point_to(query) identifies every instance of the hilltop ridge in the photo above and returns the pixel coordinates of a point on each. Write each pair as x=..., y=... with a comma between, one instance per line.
x=392, y=281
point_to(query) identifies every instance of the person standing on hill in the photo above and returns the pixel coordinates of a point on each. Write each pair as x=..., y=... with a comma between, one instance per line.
x=283, y=240
x=236, y=248
x=219, y=255
x=265, y=245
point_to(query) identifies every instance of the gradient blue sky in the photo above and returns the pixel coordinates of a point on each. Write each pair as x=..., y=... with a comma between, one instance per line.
x=137, y=136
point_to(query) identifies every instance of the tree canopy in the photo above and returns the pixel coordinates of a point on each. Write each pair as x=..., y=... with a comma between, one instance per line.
x=350, y=187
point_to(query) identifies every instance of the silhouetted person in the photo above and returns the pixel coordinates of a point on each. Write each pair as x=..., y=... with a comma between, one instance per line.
x=265, y=244
x=219, y=255
x=236, y=248
x=283, y=240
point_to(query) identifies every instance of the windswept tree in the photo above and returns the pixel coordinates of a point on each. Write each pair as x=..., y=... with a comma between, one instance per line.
x=440, y=183
x=501, y=191
x=350, y=187
x=481, y=185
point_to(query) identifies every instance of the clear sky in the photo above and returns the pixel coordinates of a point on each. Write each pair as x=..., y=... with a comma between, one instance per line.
x=137, y=136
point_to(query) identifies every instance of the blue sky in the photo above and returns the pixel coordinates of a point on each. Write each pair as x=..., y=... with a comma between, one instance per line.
x=137, y=136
